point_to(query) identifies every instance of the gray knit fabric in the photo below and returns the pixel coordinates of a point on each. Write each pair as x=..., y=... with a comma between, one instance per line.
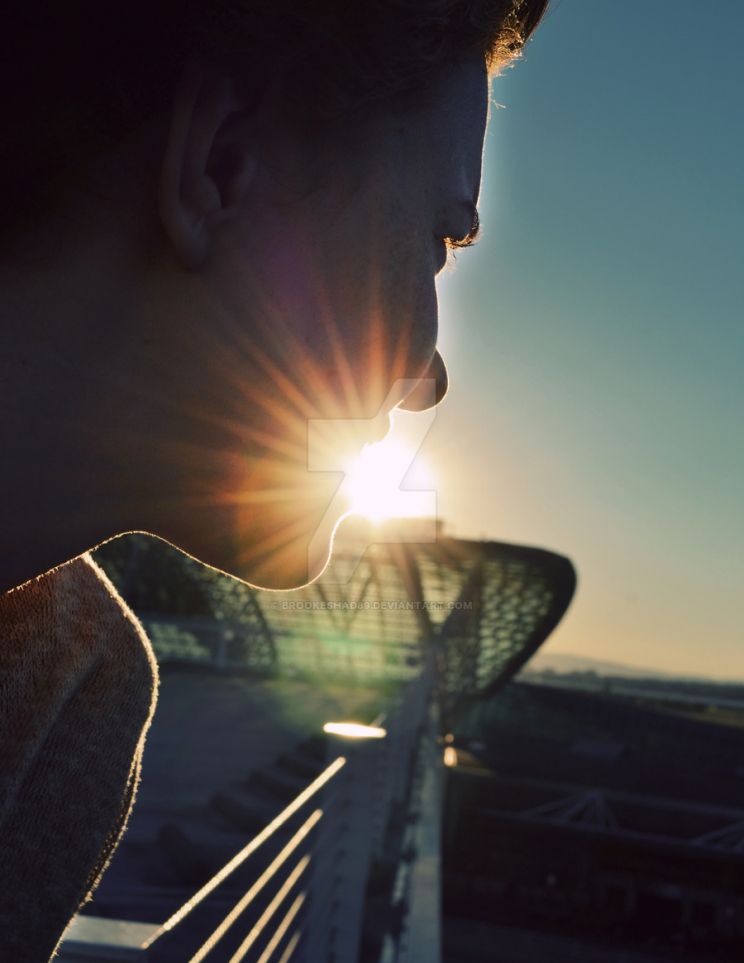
x=78, y=683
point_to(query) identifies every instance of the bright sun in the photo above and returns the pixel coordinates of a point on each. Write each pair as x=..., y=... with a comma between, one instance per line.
x=373, y=483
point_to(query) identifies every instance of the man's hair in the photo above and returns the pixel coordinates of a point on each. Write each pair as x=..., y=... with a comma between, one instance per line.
x=77, y=75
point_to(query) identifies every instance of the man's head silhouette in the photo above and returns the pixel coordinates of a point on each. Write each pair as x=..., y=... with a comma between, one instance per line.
x=225, y=219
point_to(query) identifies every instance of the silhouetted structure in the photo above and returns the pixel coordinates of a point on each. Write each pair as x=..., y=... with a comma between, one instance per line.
x=595, y=822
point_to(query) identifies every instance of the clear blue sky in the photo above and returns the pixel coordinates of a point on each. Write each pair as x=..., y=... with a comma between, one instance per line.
x=595, y=338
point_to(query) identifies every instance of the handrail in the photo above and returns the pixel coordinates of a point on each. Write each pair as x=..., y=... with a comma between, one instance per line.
x=280, y=931
x=281, y=895
x=297, y=803
x=291, y=947
x=242, y=904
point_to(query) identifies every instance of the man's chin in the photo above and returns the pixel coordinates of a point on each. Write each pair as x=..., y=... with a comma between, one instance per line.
x=286, y=570
x=282, y=568
x=293, y=564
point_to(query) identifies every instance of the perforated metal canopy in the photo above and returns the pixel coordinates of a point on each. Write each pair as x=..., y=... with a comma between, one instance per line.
x=387, y=600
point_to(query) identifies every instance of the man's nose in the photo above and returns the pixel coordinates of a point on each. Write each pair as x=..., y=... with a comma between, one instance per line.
x=431, y=388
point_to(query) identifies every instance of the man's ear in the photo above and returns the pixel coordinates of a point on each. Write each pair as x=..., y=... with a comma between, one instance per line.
x=206, y=169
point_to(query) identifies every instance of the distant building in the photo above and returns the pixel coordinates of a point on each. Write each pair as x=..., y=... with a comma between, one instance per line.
x=595, y=822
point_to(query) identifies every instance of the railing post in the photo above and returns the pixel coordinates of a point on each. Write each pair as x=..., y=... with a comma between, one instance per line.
x=421, y=938
x=357, y=808
x=403, y=724
x=342, y=853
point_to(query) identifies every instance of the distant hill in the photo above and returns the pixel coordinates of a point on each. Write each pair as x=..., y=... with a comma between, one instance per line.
x=578, y=672
x=564, y=663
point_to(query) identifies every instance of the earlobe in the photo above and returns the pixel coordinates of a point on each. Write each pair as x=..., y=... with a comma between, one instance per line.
x=204, y=176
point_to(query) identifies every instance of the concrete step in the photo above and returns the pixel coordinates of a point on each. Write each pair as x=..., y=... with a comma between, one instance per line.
x=314, y=747
x=277, y=783
x=247, y=812
x=301, y=764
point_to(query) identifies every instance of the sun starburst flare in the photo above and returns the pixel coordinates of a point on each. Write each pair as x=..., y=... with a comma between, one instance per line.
x=373, y=481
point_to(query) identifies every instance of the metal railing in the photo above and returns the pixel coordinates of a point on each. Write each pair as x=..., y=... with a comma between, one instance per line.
x=272, y=871
x=307, y=904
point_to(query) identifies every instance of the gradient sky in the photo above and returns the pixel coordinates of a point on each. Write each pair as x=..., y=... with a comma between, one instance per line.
x=594, y=337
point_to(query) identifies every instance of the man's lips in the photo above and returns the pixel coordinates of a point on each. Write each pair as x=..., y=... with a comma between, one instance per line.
x=379, y=429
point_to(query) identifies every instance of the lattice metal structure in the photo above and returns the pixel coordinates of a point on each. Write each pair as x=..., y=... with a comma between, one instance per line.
x=730, y=838
x=589, y=808
x=364, y=618
x=484, y=606
x=517, y=596
x=191, y=613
